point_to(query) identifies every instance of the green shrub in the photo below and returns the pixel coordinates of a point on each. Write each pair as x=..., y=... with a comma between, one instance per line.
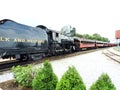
x=45, y=78
x=103, y=83
x=23, y=75
x=71, y=80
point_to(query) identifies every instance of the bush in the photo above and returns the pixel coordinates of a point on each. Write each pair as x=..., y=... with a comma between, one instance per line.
x=23, y=75
x=71, y=80
x=103, y=83
x=45, y=78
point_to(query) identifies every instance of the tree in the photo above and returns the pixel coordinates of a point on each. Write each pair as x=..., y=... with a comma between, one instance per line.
x=103, y=83
x=97, y=37
x=86, y=36
x=68, y=30
x=79, y=35
x=71, y=80
x=100, y=38
x=45, y=79
x=71, y=31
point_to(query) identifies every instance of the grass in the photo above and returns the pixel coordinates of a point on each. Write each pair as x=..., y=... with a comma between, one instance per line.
x=117, y=48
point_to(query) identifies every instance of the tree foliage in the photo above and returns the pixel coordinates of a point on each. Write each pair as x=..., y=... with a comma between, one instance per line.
x=71, y=31
x=68, y=30
x=95, y=36
x=71, y=80
x=45, y=79
x=103, y=83
x=79, y=35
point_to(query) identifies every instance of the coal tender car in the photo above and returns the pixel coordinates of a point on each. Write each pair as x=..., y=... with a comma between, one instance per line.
x=23, y=42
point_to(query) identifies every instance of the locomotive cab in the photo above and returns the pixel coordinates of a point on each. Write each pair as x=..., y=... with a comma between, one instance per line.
x=58, y=43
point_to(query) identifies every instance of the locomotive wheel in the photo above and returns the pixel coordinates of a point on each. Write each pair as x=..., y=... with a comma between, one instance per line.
x=24, y=57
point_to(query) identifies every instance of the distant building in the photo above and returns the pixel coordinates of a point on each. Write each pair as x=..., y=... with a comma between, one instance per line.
x=117, y=34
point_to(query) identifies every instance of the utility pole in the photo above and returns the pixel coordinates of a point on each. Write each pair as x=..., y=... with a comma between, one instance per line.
x=117, y=41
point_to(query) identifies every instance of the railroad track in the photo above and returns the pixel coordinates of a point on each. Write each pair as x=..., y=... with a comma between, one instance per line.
x=112, y=55
x=6, y=66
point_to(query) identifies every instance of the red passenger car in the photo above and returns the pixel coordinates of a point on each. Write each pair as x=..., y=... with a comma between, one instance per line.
x=83, y=44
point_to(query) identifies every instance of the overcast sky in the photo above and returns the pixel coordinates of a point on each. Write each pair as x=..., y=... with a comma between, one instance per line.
x=87, y=16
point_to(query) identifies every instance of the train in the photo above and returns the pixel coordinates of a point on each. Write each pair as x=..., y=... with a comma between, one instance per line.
x=23, y=42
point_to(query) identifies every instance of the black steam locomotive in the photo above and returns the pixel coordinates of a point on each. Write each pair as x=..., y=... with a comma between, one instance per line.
x=24, y=42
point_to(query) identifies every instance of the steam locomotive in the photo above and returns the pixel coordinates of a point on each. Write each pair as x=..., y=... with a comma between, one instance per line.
x=24, y=42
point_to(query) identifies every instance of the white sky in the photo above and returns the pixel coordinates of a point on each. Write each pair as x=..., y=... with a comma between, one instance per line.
x=87, y=16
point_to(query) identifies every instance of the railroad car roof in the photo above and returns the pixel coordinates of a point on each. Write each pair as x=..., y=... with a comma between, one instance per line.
x=83, y=39
x=88, y=40
x=101, y=42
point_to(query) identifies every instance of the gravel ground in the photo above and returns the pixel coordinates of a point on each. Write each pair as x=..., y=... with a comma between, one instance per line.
x=90, y=66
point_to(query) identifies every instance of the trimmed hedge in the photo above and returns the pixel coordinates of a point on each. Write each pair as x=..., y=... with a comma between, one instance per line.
x=23, y=75
x=45, y=79
x=71, y=80
x=103, y=83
